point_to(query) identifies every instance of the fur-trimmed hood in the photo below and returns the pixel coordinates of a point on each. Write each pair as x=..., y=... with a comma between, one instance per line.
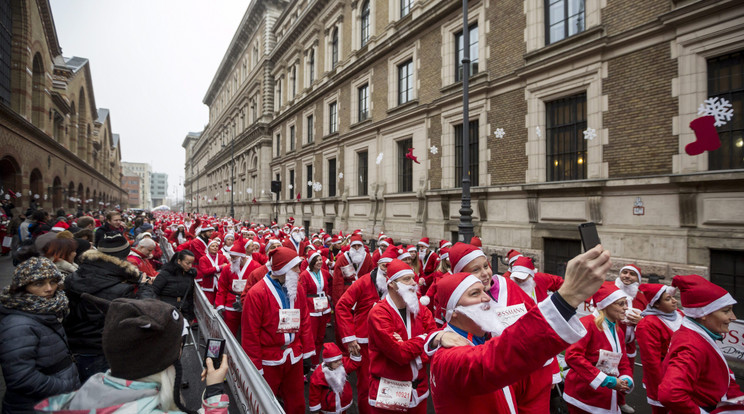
x=122, y=268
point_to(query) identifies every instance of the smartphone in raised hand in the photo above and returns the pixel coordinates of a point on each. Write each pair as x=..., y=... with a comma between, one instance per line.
x=215, y=349
x=589, y=236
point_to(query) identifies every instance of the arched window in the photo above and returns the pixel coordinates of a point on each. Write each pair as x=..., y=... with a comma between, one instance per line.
x=365, y=24
x=334, y=48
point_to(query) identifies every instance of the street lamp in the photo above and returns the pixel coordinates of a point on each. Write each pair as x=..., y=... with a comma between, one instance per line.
x=232, y=174
x=465, y=228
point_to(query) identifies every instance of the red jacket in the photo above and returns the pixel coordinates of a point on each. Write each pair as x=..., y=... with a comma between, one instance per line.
x=197, y=246
x=260, y=320
x=475, y=379
x=341, y=282
x=206, y=271
x=654, y=337
x=640, y=303
x=141, y=262
x=696, y=374
x=583, y=380
x=226, y=287
x=434, y=306
x=323, y=398
x=314, y=289
x=352, y=310
x=253, y=277
x=300, y=249
x=395, y=360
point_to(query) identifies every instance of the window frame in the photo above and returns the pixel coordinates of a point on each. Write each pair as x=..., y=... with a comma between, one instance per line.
x=334, y=47
x=309, y=128
x=472, y=28
x=405, y=166
x=309, y=176
x=727, y=133
x=291, y=175
x=575, y=127
x=404, y=8
x=332, y=172
x=364, y=26
x=292, y=138
x=407, y=93
x=363, y=102
x=474, y=141
x=565, y=21
x=332, y=117
x=362, y=158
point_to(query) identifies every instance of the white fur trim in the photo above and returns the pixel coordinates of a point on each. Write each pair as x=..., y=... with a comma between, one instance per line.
x=460, y=290
x=632, y=269
x=423, y=244
x=598, y=380
x=348, y=339
x=404, y=272
x=514, y=259
x=405, y=255
x=627, y=377
x=336, y=358
x=570, y=331
x=444, y=256
x=355, y=358
x=610, y=299
x=467, y=259
x=292, y=263
x=658, y=294
x=717, y=304
x=355, y=242
x=425, y=300
x=522, y=272
x=315, y=408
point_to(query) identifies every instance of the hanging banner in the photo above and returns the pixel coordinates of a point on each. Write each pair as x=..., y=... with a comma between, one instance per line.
x=248, y=387
x=732, y=344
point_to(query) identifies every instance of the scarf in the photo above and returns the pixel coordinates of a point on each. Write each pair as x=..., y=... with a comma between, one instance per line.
x=671, y=316
x=26, y=302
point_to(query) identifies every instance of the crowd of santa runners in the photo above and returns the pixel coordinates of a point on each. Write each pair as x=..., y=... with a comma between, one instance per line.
x=415, y=320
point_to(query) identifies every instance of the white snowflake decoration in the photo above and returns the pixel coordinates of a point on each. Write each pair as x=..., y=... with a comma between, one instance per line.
x=340, y=175
x=36, y=196
x=309, y=183
x=30, y=193
x=379, y=159
x=263, y=192
x=18, y=194
x=7, y=196
x=434, y=150
x=317, y=187
x=291, y=186
x=538, y=132
x=719, y=108
x=46, y=197
x=590, y=134
x=499, y=133
x=249, y=190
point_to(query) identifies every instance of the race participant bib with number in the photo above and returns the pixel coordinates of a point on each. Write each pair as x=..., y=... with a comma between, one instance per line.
x=320, y=303
x=608, y=362
x=394, y=395
x=238, y=286
x=289, y=321
x=348, y=271
x=508, y=315
x=7, y=241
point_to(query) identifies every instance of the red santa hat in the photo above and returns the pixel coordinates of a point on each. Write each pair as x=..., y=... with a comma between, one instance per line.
x=633, y=268
x=327, y=238
x=271, y=242
x=397, y=269
x=424, y=242
x=282, y=260
x=700, y=297
x=607, y=294
x=60, y=226
x=512, y=256
x=315, y=253
x=444, y=253
x=402, y=253
x=356, y=239
x=230, y=234
x=476, y=241
x=291, y=220
x=331, y=352
x=206, y=227
x=451, y=288
x=411, y=248
x=444, y=243
x=390, y=253
x=238, y=249
x=215, y=240
x=381, y=236
x=461, y=254
x=384, y=243
x=523, y=268
x=653, y=292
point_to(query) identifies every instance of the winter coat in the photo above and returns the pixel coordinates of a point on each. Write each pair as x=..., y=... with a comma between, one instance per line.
x=106, y=277
x=176, y=287
x=35, y=359
x=65, y=267
x=104, y=230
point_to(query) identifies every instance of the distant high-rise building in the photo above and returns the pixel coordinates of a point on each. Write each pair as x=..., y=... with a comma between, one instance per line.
x=158, y=188
x=132, y=186
x=143, y=171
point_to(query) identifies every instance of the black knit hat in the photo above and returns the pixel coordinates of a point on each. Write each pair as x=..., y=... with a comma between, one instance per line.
x=114, y=244
x=141, y=337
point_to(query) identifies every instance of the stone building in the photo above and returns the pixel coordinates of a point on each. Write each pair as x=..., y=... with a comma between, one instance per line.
x=328, y=96
x=158, y=188
x=142, y=170
x=131, y=184
x=56, y=145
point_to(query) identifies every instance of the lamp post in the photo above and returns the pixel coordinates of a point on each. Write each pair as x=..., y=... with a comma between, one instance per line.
x=465, y=227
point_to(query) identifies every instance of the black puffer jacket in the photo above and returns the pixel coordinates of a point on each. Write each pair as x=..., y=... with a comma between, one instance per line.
x=106, y=277
x=35, y=359
x=176, y=287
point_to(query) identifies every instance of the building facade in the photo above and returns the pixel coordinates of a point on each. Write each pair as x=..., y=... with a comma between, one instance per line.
x=56, y=145
x=328, y=97
x=144, y=172
x=158, y=188
x=131, y=184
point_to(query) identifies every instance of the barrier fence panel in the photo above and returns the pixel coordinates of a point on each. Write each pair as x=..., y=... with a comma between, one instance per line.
x=247, y=385
x=167, y=249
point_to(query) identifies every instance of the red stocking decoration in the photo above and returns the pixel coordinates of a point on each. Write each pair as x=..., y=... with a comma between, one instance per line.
x=706, y=134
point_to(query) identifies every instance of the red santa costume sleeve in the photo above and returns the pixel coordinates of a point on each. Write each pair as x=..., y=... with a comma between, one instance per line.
x=344, y=315
x=251, y=329
x=381, y=330
x=649, y=340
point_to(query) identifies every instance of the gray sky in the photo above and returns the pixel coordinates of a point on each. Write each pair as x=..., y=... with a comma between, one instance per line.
x=151, y=63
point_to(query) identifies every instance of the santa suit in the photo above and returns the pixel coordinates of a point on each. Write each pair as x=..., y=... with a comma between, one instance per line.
x=428, y=267
x=209, y=268
x=197, y=246
x=352, y=312
x=399, y=361
x=176, y=242
x=318, y=294
x=254, y=277
x=297, y=247
x=476, y=379
x=639, y=303
x=341, y=282
x=229, y=288
x=654, y=336
x=377, y=254
x=277, y=356
x=323, y=398
x=434, y=306
x=532, y=393
x=136, y=258
x=695, y=372
x=583, y=380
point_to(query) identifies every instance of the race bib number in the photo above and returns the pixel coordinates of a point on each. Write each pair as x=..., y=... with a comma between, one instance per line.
x=394, y=395
x=7, y=241
x=289, y=321
x=238, y=285
x=608, y=362
x=348, y=271
x=320, y=303
x=510, y=314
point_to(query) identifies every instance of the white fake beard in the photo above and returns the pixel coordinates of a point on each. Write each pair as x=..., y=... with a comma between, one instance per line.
x=235, y=265
x=381, y=282
x=484, y=315
x=527, y=285
x=336, y=378
x=357, y=256
x=408, y=293
x=297, y=237
x=302, y=235
x=291, y=280
x=181, y=238
x=630, y=290
x=421, y=256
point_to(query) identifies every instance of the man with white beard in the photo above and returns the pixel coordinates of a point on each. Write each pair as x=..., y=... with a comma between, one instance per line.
x=296, y=241
x=330, y=390
x=276, y=329
x=350, y=266
x=476, y=378
x=398, y=325
x=628, y=282
x=231, y=284
x=429, y=262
